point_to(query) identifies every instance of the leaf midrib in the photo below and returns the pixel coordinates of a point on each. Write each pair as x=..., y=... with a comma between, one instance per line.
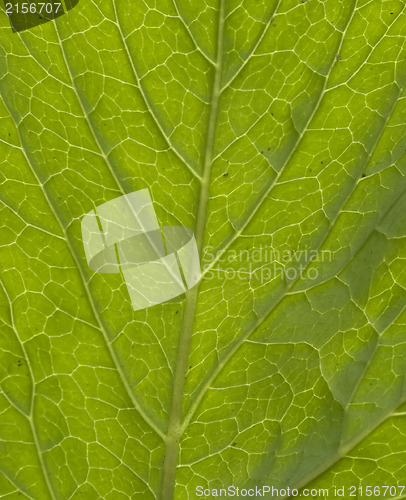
x=176, y=413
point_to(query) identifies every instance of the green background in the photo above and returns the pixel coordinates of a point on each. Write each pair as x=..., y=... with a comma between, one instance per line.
x=278, y=124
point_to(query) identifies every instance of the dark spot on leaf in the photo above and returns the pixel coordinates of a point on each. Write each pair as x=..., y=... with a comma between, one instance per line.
x=176, y=312
x=225, y=175
x=19, y=362
x=363, y=175
x=338, y=57
x=234, y=444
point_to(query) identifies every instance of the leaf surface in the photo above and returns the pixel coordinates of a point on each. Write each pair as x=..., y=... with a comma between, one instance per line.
x=276, y=131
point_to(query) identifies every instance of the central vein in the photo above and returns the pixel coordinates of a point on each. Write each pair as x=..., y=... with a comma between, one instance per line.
x=176, y=414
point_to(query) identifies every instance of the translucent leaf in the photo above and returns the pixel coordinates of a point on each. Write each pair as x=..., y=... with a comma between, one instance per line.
x=275, y=130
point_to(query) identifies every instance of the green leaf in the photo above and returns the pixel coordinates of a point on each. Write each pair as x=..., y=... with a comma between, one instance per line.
x=276, y=131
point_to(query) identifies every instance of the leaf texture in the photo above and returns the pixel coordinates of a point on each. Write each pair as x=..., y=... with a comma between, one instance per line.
x=270, y=126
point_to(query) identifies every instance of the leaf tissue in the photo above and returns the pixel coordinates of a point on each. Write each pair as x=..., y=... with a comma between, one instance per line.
x=275, y=131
